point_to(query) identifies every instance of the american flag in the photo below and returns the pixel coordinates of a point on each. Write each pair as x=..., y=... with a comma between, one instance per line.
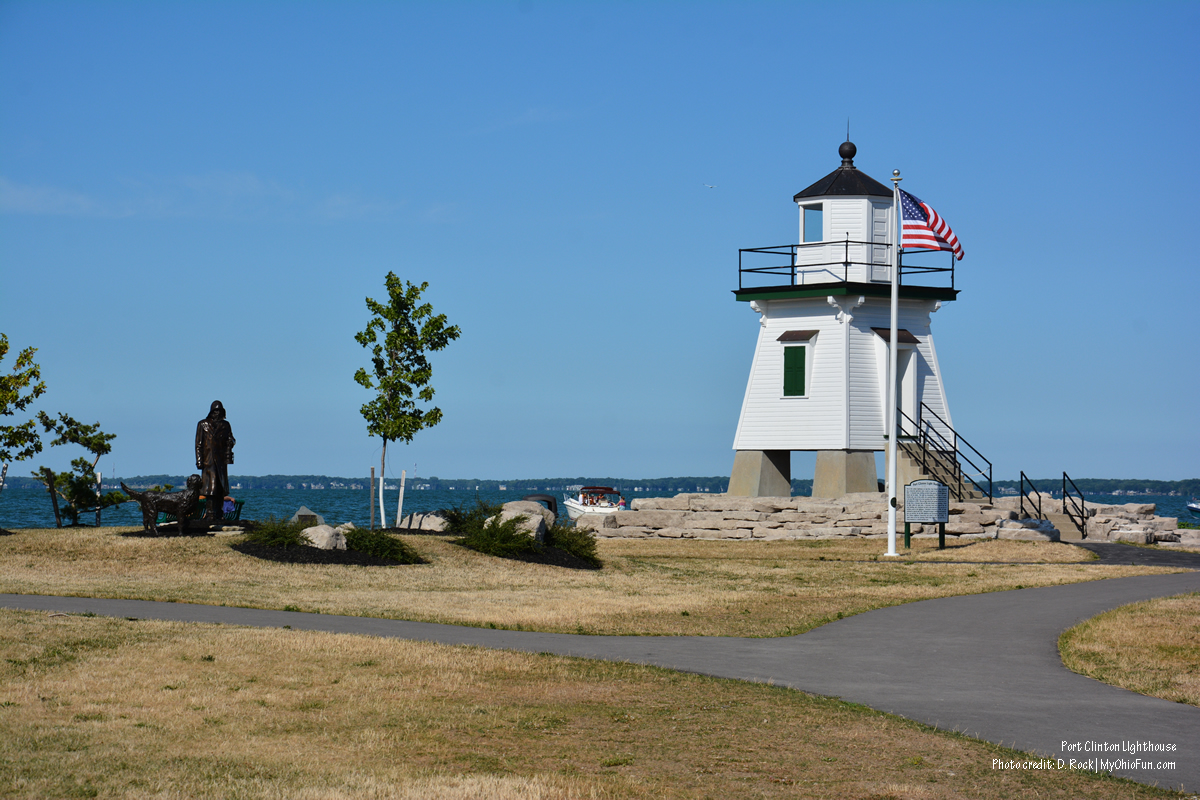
x=924, y=229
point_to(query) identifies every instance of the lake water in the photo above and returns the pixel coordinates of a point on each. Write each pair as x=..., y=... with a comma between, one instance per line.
x=30, y=508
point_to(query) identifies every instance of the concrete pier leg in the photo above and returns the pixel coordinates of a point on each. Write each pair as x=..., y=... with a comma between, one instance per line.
x=761, y=473
x=841, y=472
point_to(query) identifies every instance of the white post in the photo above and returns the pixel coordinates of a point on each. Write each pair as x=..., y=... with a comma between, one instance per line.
x=400, y=502
x=890, y=409
x=382, y=510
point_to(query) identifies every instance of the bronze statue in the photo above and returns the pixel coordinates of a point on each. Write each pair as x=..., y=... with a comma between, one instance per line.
x=181, y=504
x=214, y=454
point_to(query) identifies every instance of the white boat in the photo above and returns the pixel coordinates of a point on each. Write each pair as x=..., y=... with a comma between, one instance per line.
x=1194, y=506
x=594, y=500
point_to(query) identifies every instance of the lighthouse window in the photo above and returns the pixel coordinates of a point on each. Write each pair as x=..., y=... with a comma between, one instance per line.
x=794, y=358
x=814, y=223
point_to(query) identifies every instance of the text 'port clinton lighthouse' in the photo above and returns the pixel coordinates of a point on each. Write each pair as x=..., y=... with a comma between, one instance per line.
x=819, y=379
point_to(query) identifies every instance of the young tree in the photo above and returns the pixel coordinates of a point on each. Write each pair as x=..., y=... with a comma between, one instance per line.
x=17, y=391
x=19, y=442
x=400, y=371
x=77, y=487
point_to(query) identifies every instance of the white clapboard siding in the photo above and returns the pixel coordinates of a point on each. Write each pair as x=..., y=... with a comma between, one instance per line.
x=881, y=233
x=770, y=421
x=866, y=388
x=847, y=220
x=824, y=420
x=869, y=364
x=859, y=219
x=819, y=263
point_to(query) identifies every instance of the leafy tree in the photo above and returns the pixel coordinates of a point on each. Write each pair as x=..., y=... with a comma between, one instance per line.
x=399, y=336
x=21, y=441
x=77, y=487
x=17, y=391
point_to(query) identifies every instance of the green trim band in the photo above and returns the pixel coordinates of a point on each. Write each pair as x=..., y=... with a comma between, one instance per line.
x=842, y=288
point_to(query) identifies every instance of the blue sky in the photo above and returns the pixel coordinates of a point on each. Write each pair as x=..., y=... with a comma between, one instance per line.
x=196, y=198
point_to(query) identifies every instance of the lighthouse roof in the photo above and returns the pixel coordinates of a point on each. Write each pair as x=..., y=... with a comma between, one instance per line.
x=846, y=180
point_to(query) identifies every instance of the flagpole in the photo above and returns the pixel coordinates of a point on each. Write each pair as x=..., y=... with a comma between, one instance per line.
x=890, y=406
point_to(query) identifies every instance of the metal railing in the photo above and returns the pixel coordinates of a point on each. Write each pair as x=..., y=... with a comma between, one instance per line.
x=943, y=456
x=1033, y=506
x=796, y=265
x=1075, y=510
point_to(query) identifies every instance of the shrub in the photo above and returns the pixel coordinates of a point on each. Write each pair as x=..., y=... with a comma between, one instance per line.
x=579, y=542
x=466, y=521
x=482, y=531
x=381, y=545
x=504, y=539
x=273, y=532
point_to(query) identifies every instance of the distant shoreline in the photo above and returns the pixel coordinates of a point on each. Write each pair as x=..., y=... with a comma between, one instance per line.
x=1116, y=487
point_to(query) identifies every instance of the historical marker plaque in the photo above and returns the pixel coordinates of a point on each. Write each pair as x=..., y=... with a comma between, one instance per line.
x=926, y=501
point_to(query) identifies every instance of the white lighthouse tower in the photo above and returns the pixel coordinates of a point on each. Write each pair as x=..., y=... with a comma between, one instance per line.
x=819, y=377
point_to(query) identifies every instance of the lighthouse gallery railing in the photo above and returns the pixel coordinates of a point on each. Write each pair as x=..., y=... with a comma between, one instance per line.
x=798, y=262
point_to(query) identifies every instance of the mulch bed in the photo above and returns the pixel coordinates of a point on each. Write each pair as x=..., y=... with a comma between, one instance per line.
x=313, y=555
x=551, y=556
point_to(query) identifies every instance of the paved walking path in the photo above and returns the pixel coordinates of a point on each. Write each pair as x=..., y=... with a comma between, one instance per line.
x=1117, y=553
x=986, y=664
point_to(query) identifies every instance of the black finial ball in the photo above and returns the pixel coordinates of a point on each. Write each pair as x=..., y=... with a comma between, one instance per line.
x=847, y=151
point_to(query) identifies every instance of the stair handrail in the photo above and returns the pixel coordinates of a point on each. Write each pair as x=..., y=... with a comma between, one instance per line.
x=959, y=454
x=1077, y=512
x=1035, y=507
x=930, y=440
x=924, y=452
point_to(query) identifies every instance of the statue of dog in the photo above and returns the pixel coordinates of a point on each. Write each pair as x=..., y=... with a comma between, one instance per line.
x=181, y=503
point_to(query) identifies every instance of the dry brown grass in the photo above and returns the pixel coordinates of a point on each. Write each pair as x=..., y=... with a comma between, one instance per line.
x=116, y=708
x=1151, y=647
x=723, y=588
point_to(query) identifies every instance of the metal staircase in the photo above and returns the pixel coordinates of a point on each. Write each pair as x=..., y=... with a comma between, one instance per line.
x=933, y=448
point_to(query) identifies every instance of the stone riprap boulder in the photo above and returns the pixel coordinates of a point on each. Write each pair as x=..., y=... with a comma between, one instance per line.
x=529, y=508
x=423, y=522
x=325, y=537
x=305, y=514
x=594, y=522
x=719, y=516
x=535, y=517
x=1029, y=530
x=1130, y=522
x=1188, y=537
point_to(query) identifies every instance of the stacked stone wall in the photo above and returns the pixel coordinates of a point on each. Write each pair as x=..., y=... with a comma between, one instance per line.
x=718, y=516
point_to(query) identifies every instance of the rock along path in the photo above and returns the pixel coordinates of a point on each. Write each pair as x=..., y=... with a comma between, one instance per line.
x=986, y=665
